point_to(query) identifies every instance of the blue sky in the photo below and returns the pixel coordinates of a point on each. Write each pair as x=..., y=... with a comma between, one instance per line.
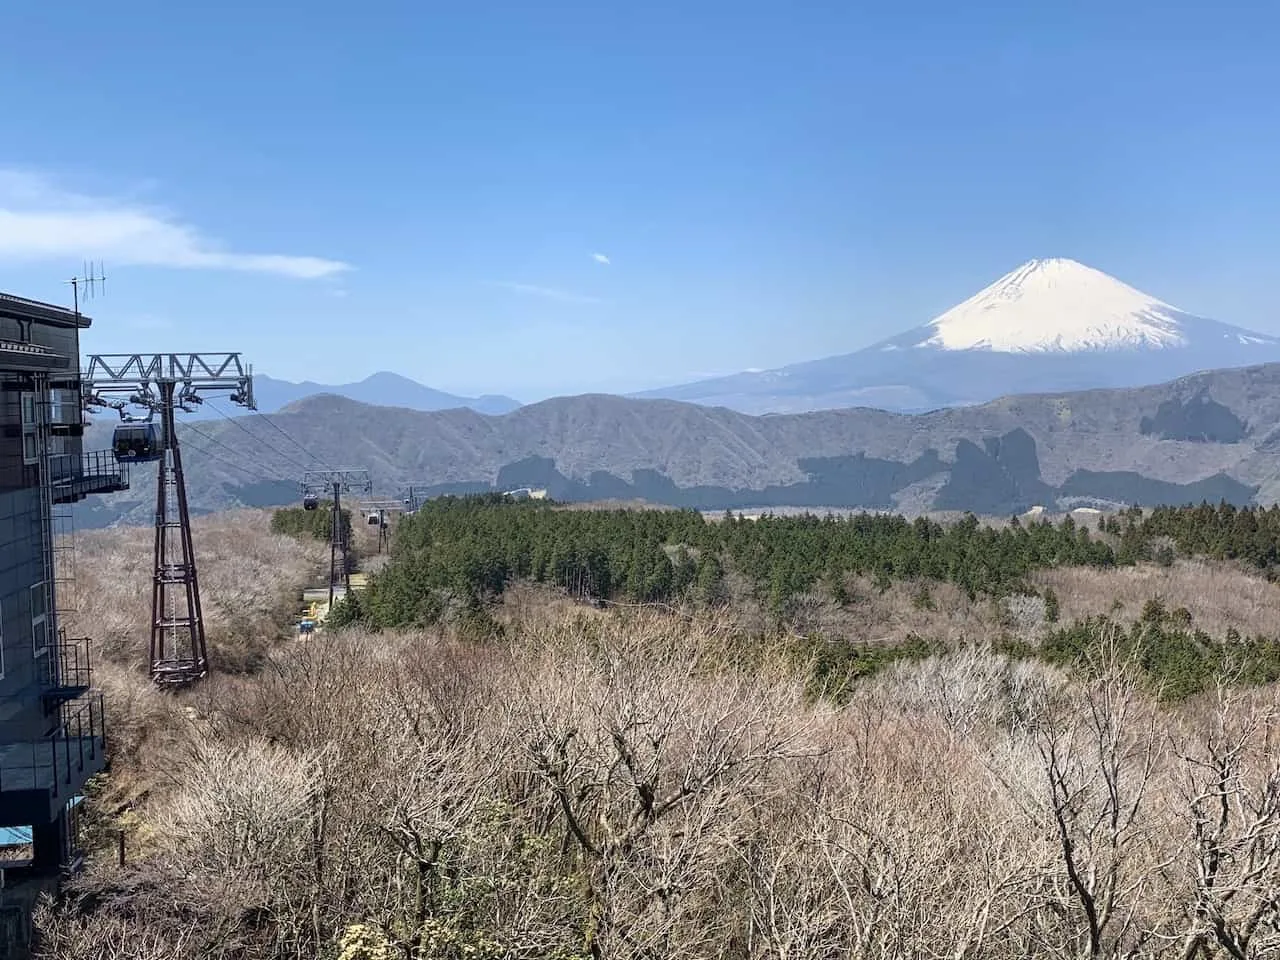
x=337, y=188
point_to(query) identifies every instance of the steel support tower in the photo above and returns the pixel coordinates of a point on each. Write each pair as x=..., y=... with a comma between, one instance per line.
x=415, y=494
x=336, y=483
x=164, y=383
x=382, y=509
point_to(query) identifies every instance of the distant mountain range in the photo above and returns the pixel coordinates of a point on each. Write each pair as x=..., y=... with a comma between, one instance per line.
x=1209, y=436
x=1050, y=325
x=382, y=389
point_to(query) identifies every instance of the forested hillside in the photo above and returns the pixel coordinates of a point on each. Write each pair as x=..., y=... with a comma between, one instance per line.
x=456, y=556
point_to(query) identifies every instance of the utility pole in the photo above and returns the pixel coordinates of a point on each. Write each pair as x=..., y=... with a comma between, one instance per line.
x=163, y=383
x=336, y=483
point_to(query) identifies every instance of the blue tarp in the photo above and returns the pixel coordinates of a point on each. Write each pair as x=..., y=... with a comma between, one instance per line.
x=15, y=836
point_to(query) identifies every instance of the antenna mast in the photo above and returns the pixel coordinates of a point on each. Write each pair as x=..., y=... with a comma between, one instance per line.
x=94, y=277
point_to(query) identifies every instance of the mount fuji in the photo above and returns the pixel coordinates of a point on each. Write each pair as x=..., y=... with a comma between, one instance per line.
x=1048, y=326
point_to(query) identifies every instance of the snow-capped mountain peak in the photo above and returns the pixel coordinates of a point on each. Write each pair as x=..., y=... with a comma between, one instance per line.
x=1057, y=305
x=1048, y=326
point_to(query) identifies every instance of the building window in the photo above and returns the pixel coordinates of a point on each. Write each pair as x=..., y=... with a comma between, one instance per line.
x=30, y=441
x=1, y=641
x=39, y=621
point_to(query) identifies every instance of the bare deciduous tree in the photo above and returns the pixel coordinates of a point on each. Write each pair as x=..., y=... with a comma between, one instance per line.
x=1231, y=788
x=627, y=737
x=1099, y=755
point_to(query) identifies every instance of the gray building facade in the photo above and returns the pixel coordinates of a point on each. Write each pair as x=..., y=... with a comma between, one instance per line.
x=52, y=736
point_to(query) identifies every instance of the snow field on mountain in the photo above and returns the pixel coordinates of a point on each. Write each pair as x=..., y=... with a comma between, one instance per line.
x=1057, y=305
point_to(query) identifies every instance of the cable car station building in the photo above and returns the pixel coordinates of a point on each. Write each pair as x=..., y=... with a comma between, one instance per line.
x=51, y=721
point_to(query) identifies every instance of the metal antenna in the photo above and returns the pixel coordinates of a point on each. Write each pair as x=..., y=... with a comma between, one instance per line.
x=93, y=278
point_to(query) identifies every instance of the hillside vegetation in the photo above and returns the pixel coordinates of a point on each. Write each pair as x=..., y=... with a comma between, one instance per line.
x=928, y=766
x=1200, y=437
x=250, y=582
x=457, y=555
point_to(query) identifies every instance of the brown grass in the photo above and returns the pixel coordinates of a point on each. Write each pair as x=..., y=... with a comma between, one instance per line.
x=250, y=579
x=1218, y=596
x=937, y=611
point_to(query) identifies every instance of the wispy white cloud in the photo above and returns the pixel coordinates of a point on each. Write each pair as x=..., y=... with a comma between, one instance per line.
x=600, y=258
x=549, y=293
x=40, y=221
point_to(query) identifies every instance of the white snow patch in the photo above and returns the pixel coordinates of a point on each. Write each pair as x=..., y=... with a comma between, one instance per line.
x=1057, y=305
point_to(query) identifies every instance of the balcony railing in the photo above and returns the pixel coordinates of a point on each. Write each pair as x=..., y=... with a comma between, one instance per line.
x=59, y=764
x=75, y=478
x=63, y=671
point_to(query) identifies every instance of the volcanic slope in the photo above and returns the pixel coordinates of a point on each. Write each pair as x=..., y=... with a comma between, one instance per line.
x=1049, y=325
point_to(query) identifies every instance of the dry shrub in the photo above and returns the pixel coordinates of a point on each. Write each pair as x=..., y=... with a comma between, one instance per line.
x=1223, y=811
x=250, y=579
x=107, y=935
x=889, y=615
x=661, y=752
x=971, y=689
x=1218, y=596
x=636, y=784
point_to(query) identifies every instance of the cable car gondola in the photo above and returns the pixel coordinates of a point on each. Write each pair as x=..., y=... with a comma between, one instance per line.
x=310, y=501
x=137, y=443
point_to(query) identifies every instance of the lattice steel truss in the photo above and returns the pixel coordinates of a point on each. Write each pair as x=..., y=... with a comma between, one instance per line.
x=162, y=383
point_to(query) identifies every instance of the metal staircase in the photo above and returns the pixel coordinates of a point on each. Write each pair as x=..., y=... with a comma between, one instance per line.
x=44, y=631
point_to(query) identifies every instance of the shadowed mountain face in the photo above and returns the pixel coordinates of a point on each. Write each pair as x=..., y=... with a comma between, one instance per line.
x=1208, y=437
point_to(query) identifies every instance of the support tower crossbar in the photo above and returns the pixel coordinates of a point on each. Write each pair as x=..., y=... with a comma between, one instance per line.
x=135, y=372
